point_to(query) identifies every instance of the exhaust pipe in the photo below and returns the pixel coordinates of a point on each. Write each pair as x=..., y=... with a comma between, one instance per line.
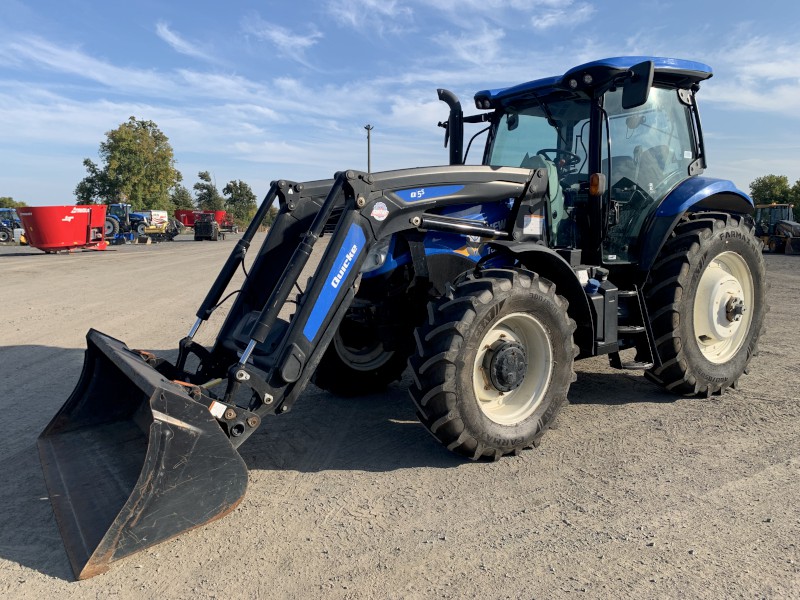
x=455, y=126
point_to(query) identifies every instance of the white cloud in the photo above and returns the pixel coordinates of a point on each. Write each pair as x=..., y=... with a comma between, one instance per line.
x=179, y=44
x=757, y=74
x=290, y=44
x=479, y=47
x=33, y=51
x=371, y=16
x=561, y=14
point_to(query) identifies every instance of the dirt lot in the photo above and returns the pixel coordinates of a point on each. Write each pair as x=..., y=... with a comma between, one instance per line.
x=635, y=493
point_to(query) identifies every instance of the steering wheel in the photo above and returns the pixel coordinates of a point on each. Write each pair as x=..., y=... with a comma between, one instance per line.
x=563, y=159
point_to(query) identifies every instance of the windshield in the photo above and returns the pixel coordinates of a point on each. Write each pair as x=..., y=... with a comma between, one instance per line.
x=553, y=135
x=557, y=131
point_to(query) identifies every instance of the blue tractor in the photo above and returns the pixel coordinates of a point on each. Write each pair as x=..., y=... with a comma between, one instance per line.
x=121, y=222
x=10, y=225
x=588, y=229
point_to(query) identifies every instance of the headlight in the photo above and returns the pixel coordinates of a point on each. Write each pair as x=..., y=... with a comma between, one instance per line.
x=377, y=255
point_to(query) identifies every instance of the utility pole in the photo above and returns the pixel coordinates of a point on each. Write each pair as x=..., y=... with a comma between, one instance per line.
x=369, y=129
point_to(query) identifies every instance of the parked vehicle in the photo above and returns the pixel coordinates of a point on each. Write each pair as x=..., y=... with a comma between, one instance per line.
x=223, y=218
x=777, y=229
x=64, y=228
x=589, y=229
x=206, y=227
x=11, y=229
x=121, y=220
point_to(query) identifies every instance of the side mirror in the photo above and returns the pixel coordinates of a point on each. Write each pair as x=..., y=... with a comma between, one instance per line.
x=637, y=90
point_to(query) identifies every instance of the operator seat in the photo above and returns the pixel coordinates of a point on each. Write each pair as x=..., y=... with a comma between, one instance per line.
x=557, y=216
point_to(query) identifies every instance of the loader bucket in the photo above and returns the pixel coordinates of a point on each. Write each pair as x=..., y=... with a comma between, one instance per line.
x=131, y=460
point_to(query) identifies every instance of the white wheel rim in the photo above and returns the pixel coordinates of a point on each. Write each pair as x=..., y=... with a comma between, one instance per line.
x=512, y=407
x=723, y=307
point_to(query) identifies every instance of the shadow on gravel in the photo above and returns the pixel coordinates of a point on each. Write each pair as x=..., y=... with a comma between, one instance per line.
x=377, y=433
x=616, y=388
x=28, y=532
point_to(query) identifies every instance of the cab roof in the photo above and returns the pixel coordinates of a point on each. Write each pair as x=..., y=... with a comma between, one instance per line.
x=674, y=72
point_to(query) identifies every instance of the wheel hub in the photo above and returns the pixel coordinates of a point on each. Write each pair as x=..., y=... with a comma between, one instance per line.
x=506, y=363
x=734, y=309
x=724, y=294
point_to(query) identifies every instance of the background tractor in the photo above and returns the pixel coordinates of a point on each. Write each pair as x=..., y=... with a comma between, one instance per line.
x=206, y=227
x=777, y=229
x=11, y=229
x=120, y=220
x=588, y=229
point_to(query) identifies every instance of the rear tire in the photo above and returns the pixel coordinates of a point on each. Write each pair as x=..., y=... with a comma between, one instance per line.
x=493, y=363
x=707, y=299
x=6, y=235
x=357, y=363
x=111, y=228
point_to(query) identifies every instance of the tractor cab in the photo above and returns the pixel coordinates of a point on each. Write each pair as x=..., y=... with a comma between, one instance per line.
x=121, y=211
x=615, y=136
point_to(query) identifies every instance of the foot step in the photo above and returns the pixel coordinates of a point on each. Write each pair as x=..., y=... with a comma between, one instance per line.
x=629, y=329
x=615, y=361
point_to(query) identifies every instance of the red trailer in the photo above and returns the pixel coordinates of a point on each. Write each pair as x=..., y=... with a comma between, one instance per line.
x=188, y=217
x=55, y=228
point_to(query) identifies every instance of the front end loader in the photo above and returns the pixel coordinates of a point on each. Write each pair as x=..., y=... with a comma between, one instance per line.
x=487, y=281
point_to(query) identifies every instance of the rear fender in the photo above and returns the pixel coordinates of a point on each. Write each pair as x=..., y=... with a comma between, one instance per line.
x=695, y=194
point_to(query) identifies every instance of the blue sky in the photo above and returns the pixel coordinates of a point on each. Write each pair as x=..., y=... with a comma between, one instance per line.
x=282, y=90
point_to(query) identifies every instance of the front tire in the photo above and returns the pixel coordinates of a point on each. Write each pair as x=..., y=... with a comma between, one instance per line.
x=493, y=363
x=707, y=299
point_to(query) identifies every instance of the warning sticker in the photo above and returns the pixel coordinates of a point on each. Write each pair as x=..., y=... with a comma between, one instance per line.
x=533, y=225
x=379, y=211
x=217, y=409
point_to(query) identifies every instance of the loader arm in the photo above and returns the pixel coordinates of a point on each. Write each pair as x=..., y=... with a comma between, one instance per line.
x=276, y=357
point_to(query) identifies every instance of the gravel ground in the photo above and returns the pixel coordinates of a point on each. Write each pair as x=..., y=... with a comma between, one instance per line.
x=634, y=494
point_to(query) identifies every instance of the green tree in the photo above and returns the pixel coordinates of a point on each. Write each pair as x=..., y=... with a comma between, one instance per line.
x=769, y=189
x=138, y=166
x=181, y=197
x=208, y=197
x=794, y=198
x=9, y=202
x=271, y=215
x=240, y=201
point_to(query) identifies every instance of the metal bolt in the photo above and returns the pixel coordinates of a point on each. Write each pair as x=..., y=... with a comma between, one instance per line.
x=284, y=408
x=416, y=221
x=242, y=375
x=252, y=422
x=360, y=202
x=230, y=414
x=268, y=399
